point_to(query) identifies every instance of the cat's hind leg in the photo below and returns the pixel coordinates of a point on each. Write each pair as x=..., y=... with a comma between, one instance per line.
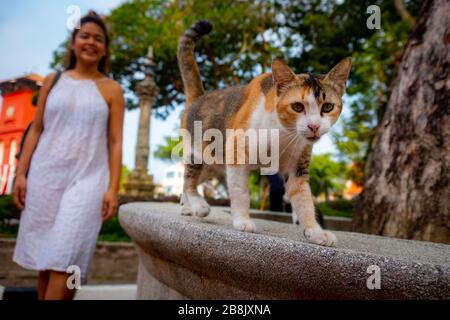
x=191, y=201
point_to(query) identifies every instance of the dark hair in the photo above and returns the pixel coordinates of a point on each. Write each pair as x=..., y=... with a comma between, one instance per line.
x=71, y=59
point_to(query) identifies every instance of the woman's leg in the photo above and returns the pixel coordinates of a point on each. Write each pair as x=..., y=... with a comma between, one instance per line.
x=43, y=283
x=57, y=287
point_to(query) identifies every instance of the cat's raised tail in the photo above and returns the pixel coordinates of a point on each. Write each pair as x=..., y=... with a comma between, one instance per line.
x=193, y=86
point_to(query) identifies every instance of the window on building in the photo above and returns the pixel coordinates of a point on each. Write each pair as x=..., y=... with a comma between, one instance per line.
x=170, y=174
x=12, y=152
x=2, y=151
x=9, y=112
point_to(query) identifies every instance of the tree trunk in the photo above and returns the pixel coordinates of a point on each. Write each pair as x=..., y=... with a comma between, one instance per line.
x=407, y=187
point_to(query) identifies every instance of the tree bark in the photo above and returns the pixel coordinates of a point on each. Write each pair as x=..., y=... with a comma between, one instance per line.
x=407, y=186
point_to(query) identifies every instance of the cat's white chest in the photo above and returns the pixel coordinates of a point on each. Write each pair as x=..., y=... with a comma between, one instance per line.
x=286, y=145
x=262, y=119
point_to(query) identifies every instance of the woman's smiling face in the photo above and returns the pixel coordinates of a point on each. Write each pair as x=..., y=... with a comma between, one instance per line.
x=89, y=44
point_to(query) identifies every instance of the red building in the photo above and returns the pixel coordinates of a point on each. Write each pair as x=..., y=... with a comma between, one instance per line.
x=16, y=113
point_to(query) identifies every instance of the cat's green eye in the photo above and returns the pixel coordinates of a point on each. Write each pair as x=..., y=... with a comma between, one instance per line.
x=297, y=106
x=327, y=107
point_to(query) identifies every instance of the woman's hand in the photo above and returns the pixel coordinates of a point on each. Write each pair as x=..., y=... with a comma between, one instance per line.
x=19, y=191
x=110, y=204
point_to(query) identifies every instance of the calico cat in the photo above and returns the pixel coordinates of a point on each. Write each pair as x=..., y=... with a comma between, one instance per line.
x=302, y=107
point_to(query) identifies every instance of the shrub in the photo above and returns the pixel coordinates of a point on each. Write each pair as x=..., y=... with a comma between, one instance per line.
x=336, y=208
x=7, y=209
x=112, y=231
x=342, y=205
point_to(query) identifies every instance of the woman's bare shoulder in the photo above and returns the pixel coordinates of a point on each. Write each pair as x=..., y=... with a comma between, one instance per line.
x=113, y=86
x=112, y=83
x=49, y=79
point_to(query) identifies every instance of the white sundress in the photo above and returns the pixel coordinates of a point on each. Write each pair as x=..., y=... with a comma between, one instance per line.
x=67, y=179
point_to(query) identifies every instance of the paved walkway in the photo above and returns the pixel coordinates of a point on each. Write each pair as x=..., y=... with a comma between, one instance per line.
x=101, y=292
x=107, y=292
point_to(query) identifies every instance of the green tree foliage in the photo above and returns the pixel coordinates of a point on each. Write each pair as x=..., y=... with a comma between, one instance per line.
x=164, y=151
x=228, y=56
x=124, y=172
x=326, y=175
x=374, y=65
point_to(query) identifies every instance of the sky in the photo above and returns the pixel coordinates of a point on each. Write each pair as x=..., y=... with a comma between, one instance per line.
x=30, y=31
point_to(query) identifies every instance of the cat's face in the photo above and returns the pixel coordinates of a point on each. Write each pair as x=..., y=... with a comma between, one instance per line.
x=310, y=104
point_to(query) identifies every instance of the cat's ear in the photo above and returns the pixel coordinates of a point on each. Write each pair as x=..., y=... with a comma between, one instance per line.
x=282, y=75
x=339, y=74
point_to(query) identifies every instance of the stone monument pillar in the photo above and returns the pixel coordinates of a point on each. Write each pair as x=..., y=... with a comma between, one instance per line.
x=140, y=183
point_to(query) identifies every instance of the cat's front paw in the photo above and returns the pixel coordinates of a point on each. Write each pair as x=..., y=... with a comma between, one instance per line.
x=186, y=210
x=245, y=225
x=199, y=206
x=295, y=219
x=319, y=236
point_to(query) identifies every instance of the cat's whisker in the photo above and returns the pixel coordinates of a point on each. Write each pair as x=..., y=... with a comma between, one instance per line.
x=287, y=146
x=289, y=136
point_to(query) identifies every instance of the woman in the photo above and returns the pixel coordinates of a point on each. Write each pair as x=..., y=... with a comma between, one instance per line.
x=73, y=156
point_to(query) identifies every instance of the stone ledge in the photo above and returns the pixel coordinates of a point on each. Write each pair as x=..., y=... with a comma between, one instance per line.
x=189, y=257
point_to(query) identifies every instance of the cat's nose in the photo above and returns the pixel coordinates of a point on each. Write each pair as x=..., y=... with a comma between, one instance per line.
x=314, y=127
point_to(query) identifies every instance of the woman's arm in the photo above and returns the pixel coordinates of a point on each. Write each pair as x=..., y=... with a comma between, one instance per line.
x=115, y=128
x=29, y=146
